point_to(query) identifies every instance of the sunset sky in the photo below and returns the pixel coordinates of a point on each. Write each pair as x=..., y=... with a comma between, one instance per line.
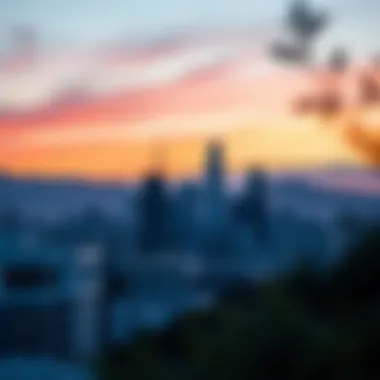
x=96, y=96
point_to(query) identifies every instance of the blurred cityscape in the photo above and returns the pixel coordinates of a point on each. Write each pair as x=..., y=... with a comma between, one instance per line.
x=251, y=252
x=76, y=286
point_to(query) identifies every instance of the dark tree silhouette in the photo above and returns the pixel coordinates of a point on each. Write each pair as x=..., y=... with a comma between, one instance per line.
x=287, y=52
x=339, y=60
x=331, y=103
x=369, y=90
x=306, y=104
x=307, y=326
x=367, y=146
x=304, y=24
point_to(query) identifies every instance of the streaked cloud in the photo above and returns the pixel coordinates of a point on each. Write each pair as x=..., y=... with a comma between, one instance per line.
x=97, y=112
x=41, y=81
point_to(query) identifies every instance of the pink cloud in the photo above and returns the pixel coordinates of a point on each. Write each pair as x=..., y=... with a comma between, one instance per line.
x=35, y=83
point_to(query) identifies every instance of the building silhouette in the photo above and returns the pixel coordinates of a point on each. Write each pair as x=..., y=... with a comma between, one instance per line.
x=214, y=202
x=154, y=209
x=50, y=300
x=185, y=217
x=252, y=208
x=154, y=215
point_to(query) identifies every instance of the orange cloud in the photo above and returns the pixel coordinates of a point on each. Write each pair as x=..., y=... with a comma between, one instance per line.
x=242, y=100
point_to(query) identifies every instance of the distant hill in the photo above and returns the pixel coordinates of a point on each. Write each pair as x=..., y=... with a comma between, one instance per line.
x=52, y=199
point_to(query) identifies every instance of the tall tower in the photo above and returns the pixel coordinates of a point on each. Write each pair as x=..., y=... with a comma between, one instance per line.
x=215, y=167
x=214, y=183
x=256, y=201
x=214, y=205
x=154, y=207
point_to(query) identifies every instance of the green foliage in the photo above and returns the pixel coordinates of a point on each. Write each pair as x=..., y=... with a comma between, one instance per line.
x=306, y=326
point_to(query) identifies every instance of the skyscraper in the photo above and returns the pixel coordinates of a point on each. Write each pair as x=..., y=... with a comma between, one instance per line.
x=185, y=217
x=154, y=215
x=214, y=189
x=215, y=166
x=154, y=205
x=255, y=202
x=214, y=202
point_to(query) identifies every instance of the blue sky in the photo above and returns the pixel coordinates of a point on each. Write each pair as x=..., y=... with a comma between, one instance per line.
x=83, y=22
